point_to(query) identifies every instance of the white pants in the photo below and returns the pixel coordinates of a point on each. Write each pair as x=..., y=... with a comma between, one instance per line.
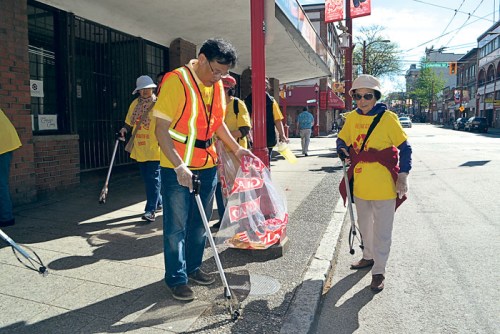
x=305, y=138
x=375, y=220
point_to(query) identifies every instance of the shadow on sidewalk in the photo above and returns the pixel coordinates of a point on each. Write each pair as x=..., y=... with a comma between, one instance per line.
x=345, y=317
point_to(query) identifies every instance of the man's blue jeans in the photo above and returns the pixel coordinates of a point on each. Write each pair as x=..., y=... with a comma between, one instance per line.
x=184, y=234
x=5, y=200
x=150, y=171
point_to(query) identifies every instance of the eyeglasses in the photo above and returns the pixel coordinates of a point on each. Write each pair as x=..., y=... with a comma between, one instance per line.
x=217, y=73
x=358, y=97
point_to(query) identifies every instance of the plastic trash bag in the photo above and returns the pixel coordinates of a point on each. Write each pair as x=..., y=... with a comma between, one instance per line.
x=256, y=215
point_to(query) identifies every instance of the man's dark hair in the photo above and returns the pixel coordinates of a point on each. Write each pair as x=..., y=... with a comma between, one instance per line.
x=219, y=50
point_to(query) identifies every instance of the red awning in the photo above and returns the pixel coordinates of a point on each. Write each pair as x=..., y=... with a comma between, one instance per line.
x=298, y=96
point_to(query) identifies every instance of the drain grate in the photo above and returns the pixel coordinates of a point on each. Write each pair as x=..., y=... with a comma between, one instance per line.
x=263, y=285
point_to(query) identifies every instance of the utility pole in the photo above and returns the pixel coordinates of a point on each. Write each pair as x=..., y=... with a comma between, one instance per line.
x=348, y=57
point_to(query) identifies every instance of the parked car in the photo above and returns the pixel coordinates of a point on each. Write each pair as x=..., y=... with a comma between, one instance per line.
x=479, y=124
x=459, y=124
x=405, y=121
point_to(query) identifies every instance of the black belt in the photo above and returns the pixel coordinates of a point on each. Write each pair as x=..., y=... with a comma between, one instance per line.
x=204, y=144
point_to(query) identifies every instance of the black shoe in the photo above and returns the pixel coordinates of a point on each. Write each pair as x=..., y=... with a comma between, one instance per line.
x=306, y=154
x=159, y=208
x=216, y=225
x=201, y=277
x=8, y=222
x=182, y=292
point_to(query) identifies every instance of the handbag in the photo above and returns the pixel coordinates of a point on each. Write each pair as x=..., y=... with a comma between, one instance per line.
x=130, y=144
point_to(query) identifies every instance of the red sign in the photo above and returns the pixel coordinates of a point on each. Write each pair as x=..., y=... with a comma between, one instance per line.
x=364, y=8
x=334, y=10
x=333, y=101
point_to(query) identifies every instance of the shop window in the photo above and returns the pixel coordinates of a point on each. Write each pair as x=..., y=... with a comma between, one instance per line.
x=42, y=65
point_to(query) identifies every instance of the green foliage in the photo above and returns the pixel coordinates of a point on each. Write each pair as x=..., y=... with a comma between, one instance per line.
x=428, y=85
x=381, y=55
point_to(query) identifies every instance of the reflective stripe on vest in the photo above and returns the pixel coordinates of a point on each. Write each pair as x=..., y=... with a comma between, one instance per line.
x=188, y=129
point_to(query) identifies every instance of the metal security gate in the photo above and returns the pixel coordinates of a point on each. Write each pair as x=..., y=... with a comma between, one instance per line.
x=107, y=64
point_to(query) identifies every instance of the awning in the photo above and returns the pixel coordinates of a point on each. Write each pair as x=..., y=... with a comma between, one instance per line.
x=299, y=95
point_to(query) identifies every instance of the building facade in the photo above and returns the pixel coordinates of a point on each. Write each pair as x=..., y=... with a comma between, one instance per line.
x=68, y=69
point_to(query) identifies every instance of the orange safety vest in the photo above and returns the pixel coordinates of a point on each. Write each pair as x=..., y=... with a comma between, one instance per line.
x=192, y=133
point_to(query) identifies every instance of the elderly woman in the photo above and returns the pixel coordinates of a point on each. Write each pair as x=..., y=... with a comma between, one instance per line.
x=143, y=145
x=379, y=177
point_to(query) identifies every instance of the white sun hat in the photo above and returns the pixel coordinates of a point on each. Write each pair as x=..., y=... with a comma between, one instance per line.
x=142, y=82
x=366, y=81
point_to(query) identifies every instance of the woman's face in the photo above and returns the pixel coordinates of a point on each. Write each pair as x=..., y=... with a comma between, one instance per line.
x=361, y=95
x=146, y=92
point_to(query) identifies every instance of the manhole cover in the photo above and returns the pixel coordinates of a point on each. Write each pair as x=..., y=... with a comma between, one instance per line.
x=263, y=285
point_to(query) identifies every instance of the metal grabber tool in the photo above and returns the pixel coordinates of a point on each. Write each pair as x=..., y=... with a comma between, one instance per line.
x=354, y=233
x=104, y=191
x=31, y=259
x=230, y=298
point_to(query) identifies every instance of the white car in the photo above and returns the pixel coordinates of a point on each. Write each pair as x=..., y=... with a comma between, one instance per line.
x=405, y=122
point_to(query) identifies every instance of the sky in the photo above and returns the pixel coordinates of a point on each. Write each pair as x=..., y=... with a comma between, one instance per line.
x=417, y=24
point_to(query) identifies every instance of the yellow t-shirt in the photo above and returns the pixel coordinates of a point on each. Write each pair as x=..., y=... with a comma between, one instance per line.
x=277, y=115
x=146, y=146
x=372, y=181
x=9, y=140
x=171, y=102
x=234, y=122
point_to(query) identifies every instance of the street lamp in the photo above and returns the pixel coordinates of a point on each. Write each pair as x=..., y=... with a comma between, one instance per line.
x=365, y=46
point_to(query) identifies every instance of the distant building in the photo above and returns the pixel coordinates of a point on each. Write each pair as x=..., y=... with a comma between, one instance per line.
x=488, y=78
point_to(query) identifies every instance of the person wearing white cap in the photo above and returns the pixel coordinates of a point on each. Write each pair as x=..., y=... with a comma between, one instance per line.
x=380, y=161
x=143, y=145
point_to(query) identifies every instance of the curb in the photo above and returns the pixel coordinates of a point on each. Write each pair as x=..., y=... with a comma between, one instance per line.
x=301, y=314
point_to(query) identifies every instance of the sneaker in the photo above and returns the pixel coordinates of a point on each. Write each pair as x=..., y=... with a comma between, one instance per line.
x=201, y=277
x=159, y=208
x=149, y=216
x=377, y=283
x=216, y=226
x=362, y=264
x=182, y=292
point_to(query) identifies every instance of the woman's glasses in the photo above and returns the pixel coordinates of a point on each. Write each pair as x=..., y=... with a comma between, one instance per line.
x=358, y=97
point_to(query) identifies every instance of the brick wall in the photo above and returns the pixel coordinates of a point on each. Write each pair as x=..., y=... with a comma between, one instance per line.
x=57, y=163
x=180, y=53
x=15, y=95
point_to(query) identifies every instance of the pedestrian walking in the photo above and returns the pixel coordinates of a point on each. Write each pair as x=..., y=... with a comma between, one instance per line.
x=9, y=141
x=371, y=140
x=305, y=121
x=238, y=122
x=187, y=119
x=143, y=145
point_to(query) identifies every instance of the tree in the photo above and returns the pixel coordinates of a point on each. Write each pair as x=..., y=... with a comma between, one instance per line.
x=428, y=85
x=381, y=55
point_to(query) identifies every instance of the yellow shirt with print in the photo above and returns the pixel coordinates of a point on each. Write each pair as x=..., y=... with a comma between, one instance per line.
x=171, y=102
x=234, y=122
x=146, y=147
x=372, y=181
x=9, y=140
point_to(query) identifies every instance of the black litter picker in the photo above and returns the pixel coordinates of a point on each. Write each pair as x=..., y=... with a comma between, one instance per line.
x=230, y=298
x=354, y=233
x=28, y=257
x=104, y=191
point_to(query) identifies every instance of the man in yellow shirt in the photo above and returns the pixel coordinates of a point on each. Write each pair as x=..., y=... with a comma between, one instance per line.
x=189, y=111
x=9, y=141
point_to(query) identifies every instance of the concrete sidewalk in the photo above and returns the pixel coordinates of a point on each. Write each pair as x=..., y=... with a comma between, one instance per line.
x=106, y=265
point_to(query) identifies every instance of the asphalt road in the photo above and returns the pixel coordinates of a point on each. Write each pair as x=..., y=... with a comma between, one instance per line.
x=443, y=271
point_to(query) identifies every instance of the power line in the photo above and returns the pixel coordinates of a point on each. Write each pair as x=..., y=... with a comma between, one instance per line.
x=431, y=4
x=468, y=18
x=446, y=33
x=452, y=18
